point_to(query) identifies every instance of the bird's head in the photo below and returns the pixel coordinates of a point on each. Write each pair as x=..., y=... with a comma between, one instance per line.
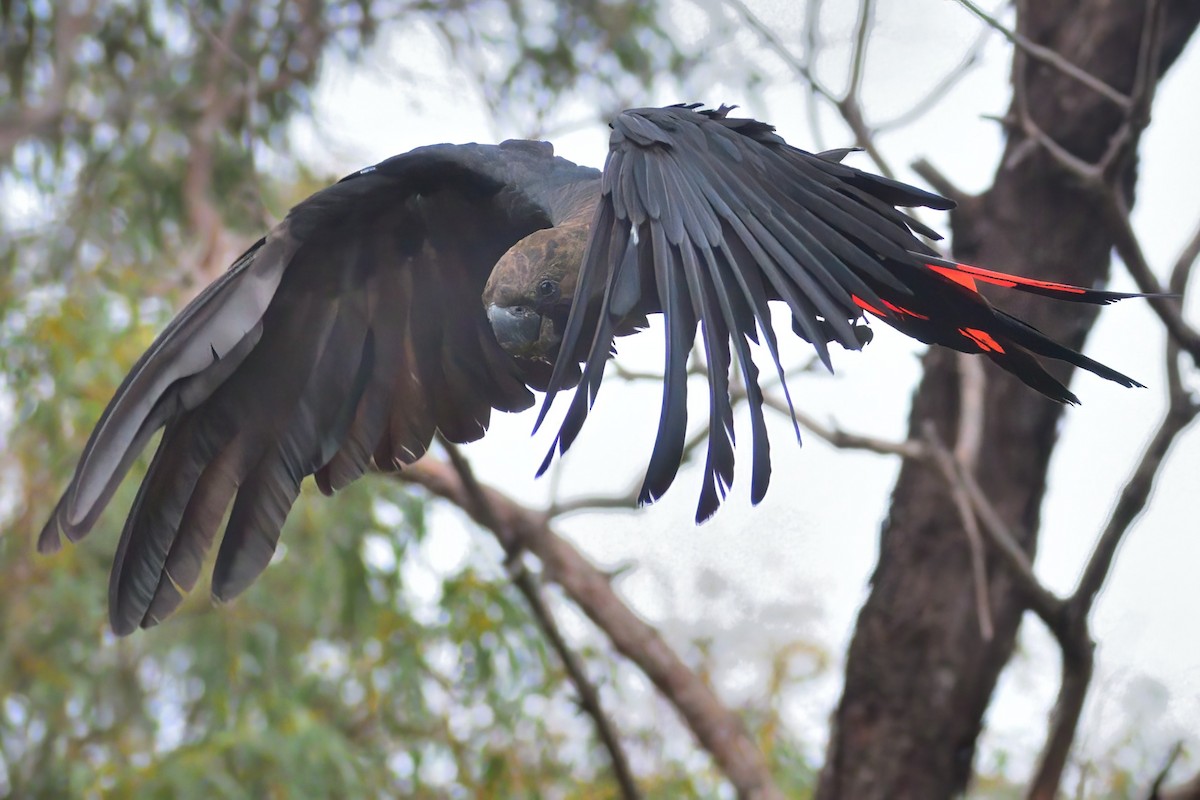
x=528, y=295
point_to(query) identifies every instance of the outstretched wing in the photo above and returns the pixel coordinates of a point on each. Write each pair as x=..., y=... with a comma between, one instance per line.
x=350, y=333
x=725, y=217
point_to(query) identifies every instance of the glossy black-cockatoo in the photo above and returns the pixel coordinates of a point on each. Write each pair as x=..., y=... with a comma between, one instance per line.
x=417, y=295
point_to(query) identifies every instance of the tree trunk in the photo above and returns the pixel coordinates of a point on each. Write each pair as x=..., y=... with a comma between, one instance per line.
x=919, y=677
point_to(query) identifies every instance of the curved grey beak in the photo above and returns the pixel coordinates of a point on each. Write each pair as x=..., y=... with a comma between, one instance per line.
x=517, y=328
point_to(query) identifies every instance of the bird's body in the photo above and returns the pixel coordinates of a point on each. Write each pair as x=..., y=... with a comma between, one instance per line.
x=417, y=295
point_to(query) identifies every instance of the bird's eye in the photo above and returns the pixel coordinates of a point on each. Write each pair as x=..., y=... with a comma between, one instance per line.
x=547, y=288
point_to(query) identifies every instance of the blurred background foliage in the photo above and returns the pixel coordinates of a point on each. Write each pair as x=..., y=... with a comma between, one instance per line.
x=142, y=144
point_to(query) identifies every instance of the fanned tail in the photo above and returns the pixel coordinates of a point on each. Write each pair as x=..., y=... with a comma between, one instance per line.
x=967, y=275
x=946, y=308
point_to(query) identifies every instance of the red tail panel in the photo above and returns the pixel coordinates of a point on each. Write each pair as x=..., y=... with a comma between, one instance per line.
x=901, y=310
x=987, y=343
x=966, y=275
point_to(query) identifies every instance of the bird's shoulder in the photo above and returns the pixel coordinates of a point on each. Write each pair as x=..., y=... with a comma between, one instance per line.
x=523, y=176
x=684, y=125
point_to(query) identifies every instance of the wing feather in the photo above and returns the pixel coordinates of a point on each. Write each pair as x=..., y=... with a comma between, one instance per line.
x=352, y=332
x=729, y=217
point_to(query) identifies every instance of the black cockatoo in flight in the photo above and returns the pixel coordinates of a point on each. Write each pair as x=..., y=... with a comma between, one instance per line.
x=419, y=294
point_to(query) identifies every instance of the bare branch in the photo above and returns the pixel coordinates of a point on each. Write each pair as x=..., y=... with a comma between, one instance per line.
x=1135, y=495
x=589, y=697
x=1161, y=777
x=862, y=33
x=1103, y=178
x=942, y=88
x=1129, y=249
x=1078, y=663
x=1189, y=790
x=627, y=500
x=812, y=50
x=622, y=501
x=527, y=584
x=940, y=183
x=1043, y=602
x=781, y=50
x=1182, y=270
x=972, y=388
x=841, y=439
x=849, y=106
x=718, y=730
x=950, y=468
x=1050, y=57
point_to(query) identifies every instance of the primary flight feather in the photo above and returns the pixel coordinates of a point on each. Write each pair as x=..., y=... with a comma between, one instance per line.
x=417, y=295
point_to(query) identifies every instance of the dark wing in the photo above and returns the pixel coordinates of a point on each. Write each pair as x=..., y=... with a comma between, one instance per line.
x=350, y=333
x=725, y=217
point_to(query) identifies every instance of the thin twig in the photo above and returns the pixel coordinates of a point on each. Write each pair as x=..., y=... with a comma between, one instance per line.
x=589, y=697
x=781, y=50
x=1188, y=790
x=628, y=499
x=1050, y=57
x=972, y=391
x=841, y=439
x=812, y=51
x=1168, y=309
x=849, y=106
x=1135, y=495
x=527, y=584
x=940, y=183
x=718, y=730
x=1078, y=664
x=1177, y=284
x=1105, y=179
x=1048, y=606
x=951, y=469
x=1161, y=777
x=942, y=88
x=858, y=61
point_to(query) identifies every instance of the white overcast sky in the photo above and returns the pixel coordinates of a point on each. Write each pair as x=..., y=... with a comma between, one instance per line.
x=797, y=566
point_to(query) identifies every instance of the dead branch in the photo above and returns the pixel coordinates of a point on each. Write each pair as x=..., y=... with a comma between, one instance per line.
x=628, y=499
x=1161, y=778
x=1048, y=56
x=940, y=183
x=951, y=466
x=1102, y=176
x=781, y=50
x=942, y=88
x=527, y=583
x=1182, y=409
x=812, y=49
x=1189, y=790
x=843, y=440
x=848, y=105
x=1104, y=179
x=719, y=730
x=1168, y=309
